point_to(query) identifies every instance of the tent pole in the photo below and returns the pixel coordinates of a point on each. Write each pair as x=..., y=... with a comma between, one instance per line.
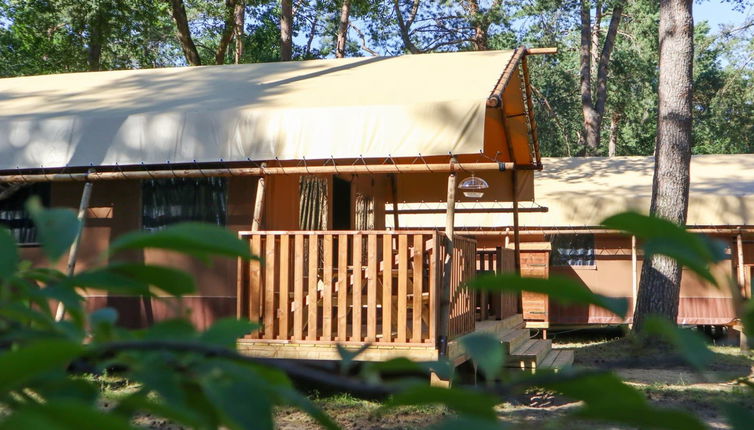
x=444, y=308
x=634, y=274
x=330, y=169
x=258, y=205
x=394, y=191
x=73, y=253
x=516, y=238
x=743, y=341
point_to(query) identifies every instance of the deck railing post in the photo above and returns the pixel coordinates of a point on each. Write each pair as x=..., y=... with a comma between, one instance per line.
x=444, y=309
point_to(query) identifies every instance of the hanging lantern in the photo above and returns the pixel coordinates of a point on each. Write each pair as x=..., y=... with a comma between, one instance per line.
x=473, y=187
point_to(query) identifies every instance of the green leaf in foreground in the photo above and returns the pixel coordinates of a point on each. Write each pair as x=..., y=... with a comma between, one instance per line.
x=739, y=418
x=486, y=351
x=607, y=398
x=471, y=403
x=8, y=254
x=192, y=238
x=226, y=331
x=56, y=228
x=30, y=361
x=559, y=288
x=64, y=414
x=689, y=344
x=663, y=237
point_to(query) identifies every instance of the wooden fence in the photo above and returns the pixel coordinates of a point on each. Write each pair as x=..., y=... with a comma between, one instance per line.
x=352, y=287
x=491, y=305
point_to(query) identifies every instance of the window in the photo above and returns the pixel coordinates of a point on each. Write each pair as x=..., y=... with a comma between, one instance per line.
x=13, y=213
x=169, y=201
x=572, y=250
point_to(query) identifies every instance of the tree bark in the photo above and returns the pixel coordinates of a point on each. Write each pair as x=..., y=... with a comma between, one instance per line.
x=613, y=143
x=593, y=108
x=286, y=30
x=184, y=34
x=661, y=276
x=229, y=27
x=240, y=18
x=342, y=37
x=405, y=26
x=98, y=30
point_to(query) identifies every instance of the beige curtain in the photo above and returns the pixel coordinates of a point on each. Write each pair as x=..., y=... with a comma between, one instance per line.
x=312, y=214
x=363, y=212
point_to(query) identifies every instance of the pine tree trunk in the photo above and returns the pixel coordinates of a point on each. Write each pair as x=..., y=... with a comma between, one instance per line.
x=340, y=47
x=240, y=18
x=286, y=30
x=660, y=276
x=184, y=34
x=613, y=143
x=229, y=27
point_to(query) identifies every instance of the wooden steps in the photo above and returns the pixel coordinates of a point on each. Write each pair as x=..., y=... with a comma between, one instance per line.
x=557, y=359
x=529, y=354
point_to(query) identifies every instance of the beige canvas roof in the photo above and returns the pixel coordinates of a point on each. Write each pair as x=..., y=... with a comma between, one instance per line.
x=580, y=192
x=431, y=104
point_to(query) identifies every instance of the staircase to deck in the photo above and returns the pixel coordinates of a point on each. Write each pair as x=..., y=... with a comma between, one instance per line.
x=524, y=352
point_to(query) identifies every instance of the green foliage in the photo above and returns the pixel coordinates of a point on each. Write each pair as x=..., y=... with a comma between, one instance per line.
x=195, y=378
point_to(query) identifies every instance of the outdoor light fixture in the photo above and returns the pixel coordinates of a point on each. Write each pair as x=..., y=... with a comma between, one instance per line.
x=473, y=187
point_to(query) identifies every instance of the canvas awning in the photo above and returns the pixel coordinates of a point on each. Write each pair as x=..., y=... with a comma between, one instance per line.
x=580, y=192
x=432, y=104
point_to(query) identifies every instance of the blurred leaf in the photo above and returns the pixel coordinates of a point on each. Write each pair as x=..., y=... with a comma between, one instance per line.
x=747, y=320
x=487, y=352
x=68, y=388
x=607, y=398
x=196, y=239
x=103, y=316
x=226, y=331
x=294, y=398
x=179, y=414
x=470, y=403
x=347, y=356
x=8, y=254
x=240, y=397
x=56, y=228
x=691, y=345
x=64, y=414
x=663, y=237
x=172, y=281
x=30, y=361
x=172, y=329
x=559, y=288
x=468, y=423
x=739, y=418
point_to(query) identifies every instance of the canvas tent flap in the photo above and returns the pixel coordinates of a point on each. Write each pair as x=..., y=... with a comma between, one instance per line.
x=431, y=104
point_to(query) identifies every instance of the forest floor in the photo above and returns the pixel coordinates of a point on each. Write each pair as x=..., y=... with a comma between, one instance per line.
x=665, y=379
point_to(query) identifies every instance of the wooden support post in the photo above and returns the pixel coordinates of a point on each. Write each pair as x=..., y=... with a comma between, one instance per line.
x=443, y=318
x=516, y=238
x=634, y=274
x=743, y=341
x=394, y=191
x=73, y=253
x=258, y=205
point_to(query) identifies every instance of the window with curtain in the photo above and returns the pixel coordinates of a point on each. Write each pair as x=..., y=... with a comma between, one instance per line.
x=364, y=212
x=312, y=212
x=13, y=213
x=173, y=200
x=572, y=250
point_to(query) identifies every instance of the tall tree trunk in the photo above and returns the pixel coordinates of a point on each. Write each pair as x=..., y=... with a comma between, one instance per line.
x=98, y=30
x=479, y=40
x=286, y=30
x=405, y=26
x=594, y=108
x=613, y=143
x=240, y=18
x=661, y=276
x=178, y=11
x=342, y=37
x=591, y=132
x=228, y=30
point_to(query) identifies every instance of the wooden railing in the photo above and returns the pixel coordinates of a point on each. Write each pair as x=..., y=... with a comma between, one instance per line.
x=500, y=306
x=351, y=287
x=462, y=301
